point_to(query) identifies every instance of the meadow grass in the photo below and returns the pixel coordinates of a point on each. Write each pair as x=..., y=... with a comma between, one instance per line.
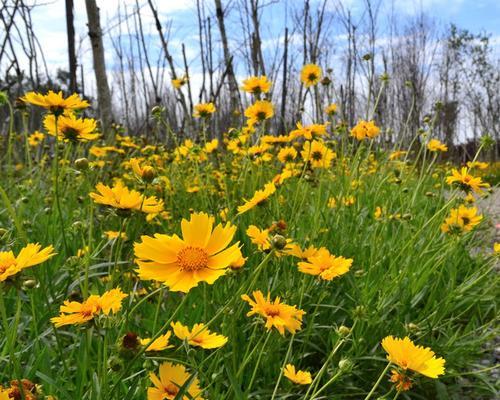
x=408, y=278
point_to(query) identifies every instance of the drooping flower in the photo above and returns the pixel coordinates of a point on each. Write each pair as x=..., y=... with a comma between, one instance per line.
x=199, y=336
x=277, y=314
x=55, y=102
x=435, y=145
x=75, y=313
x=461, y=219
x=204, y=110
x=259, y=197
x=121, y=198
x=365, y=130
x=260, y=111
x=168, y=384
x=259, y=237
x=159, y=344
x=144, y=171
x=325, y=265
x=256, y=85
x=299, y=377
x=201, y=255
x=408, y=356
x=70, y=128
x=310, y=74
x=317, y=154
x=30, y=255
x=401, y=381
x=465, y=181
x=178, y=83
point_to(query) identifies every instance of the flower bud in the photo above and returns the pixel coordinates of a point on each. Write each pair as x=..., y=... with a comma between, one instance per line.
x=343, y=331
x=278, y=242
x=81, y=164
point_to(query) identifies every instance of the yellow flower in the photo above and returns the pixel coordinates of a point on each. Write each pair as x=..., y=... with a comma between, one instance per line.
x=309, y=131
x=378, y=212
x=296, y=251
x=477, y=164
x=179, y=82
x=172, y=378
x=397, y=154
x=55, y=102
x=201, y=255
x=204, y=110
x=496, y=248
x=461, y=219
x=259, y=237
x=145, y=172
x=159, y=344
x=71, y=128
x=310, y=74
x=364, y=130
x=260, y=111
x=331, y=110
x=407, y=355
x=30, y=255
x=111, y=235
x=277, y=314
x=287, y=154
x=211, y=146
x=326, y=265
x=120, y=197
x=4, y=394
x=435, y=145
x=35, y=138
x=465, y=181
x=402, y=382
x=199, y=336
x=256, y=85
x=259, y=197
x=317, y=154
x=74, y=312
x=299, y=377
x=332, y=202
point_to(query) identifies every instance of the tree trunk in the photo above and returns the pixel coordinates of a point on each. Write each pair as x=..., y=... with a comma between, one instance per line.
x=70, y=29
x=103, y=93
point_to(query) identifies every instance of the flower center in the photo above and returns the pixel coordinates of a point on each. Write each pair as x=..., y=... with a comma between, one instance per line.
x=261, y=115
x=312, y=77
x=272, y=311
x=192, y=258
x=171, y=391
x=316, y=155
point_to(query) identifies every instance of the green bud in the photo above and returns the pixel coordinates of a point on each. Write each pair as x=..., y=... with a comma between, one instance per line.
x=81, y=164
x=278, y=242
x=343, y=331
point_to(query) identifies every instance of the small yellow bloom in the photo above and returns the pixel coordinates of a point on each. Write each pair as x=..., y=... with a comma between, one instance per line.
x=461, y=219
x=259, y=237
x=310, y=74
x=159, y=344
x=199, y=336
x=55, y=102
x=299, y=377
x=260, y=111
x=287, y=155
x=325, y=265
x=331, y=110
x=204, y=110
x=75, y=313
x=256, y=85
x=365, y=130
x=407, y=355
x=259, y=197
x=277, y=314
x=435, y=145
x=70, y=128
x=465, y=181
x=30, y=255
x=172, y=378
x=317, y=154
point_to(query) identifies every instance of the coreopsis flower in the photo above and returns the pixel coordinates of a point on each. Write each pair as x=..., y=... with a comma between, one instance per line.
x=461, y=219
x=496, y=248
x=256, y=85
x=408, y=356
x=310, y=74
x=259, y=197
x=70, y=128
x=397, y=154
x=30, y=255
x=317, y=154
x=199, y=336
x=332, y=202
x=121, y=198
x=159, y=344
x=299, y=377
x=201, y=255
x=211, y=146
x=435, y=145
x=112, y=235
x=177, y=83
x=277, y=314
x=465, y=181
x=296, y=251
x=401, y=381
x=331, y=110
x=21, y=389
x=287, y=155
x=239, y=262
x=260, y=111
x=477, y=164
x=168, y=384
x=204, y=110
x=76, y=313
x=144, y=172
x=377, y=214
x=259, y=237
x=325, y=265
x=309, y=131
x=55, y=102
x=364, y=130
x=35, y=138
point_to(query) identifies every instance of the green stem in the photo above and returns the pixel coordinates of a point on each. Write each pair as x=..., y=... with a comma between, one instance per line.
x=370, y=394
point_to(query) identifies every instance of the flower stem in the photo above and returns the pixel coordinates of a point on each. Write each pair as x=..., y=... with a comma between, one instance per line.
x=378, y=381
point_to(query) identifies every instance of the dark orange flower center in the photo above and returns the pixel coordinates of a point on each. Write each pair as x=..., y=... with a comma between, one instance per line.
x=316, y=155
x=171, y=390
x=272, y=310
x=192, y=258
